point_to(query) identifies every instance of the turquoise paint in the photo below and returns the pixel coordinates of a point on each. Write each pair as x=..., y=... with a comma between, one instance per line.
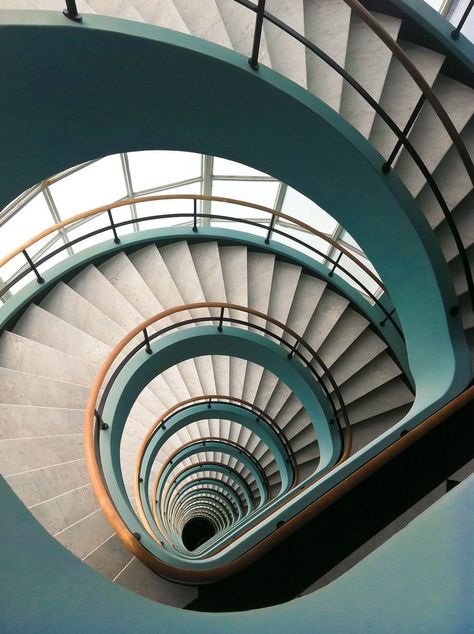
x=213, y=468
x=198, y=447
x=315, y=152
x=418, y=581
x=194, y=342
x=206, y=493
x=214, y=505
x=223, y=411
x=241, y=514
x=447, y=601
x=223, y=488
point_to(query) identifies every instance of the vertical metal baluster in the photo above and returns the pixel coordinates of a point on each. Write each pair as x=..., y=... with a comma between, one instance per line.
x=100, y=422
x=331, y=272
x=33, y=267
x=270, y=229
x=112, y=224
x=147, y=342
x=221, y=319
x=71, y=11
x=457, y=30
x=195, y=215
x=257, y=36
x=387, y=166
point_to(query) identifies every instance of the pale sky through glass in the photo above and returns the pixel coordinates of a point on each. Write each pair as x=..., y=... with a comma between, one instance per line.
x=120, y=177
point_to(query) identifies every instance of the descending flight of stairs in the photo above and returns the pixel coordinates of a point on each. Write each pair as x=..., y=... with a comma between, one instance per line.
x=339, y=32
x=49, y=360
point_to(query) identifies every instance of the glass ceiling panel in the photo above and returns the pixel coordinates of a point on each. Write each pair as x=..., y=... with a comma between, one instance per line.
x=159, y=207
x=103, y=181
x=363, y=277
x=32, y=219
x=349, y=240
x=301, y=208
x=260, y=193
x=436, y=4
x=223, y=167
x=93, y=186
x=153, y=168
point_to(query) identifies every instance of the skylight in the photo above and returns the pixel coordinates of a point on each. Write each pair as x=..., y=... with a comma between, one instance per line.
x=127, y=175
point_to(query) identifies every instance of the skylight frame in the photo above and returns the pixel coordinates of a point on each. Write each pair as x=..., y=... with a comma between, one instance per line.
x=208, y=176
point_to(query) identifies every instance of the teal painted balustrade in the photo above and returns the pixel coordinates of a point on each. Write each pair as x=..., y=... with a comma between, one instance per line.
x=419, y=581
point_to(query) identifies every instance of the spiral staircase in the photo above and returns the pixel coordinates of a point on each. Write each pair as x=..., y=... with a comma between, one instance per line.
x=309, y=378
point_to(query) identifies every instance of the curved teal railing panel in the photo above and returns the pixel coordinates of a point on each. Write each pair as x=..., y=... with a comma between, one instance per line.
x=194, y=342
x=202, y=446
x=223, y=411
x=225, y=123
x=224, y=488
x=418, y=581
x=219, y=469
x=225, y=492
x=206, y=492
x=221, y=121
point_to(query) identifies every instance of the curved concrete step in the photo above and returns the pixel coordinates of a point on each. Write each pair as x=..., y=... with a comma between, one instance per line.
x=327, y=24
x=368, y=61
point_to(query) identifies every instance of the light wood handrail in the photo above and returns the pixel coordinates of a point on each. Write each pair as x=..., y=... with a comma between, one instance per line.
x=144, y=199
x=418, y=78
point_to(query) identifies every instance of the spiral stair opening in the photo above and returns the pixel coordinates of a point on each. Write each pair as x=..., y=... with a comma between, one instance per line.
x=190, y=363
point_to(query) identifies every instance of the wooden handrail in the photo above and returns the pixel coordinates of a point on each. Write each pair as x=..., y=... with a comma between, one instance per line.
x=418, y=78
x=279, y=535
x=143, y=199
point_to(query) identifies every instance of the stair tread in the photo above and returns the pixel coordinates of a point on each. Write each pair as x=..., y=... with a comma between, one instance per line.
x=400, y=93
x=286, y=54
x=206, y=23
x=163, y=13
x=428, y=135
x=327, y=25
x=367, y=60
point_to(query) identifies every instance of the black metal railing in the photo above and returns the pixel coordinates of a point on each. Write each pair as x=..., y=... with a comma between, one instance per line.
x=259, y=415
x=457, y=31
x=309, y=357
x=402, y=135
x=334, y=262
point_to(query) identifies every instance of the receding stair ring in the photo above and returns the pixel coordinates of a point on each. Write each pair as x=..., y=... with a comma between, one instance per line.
x=199, y=485
x=106, y=503
x=258, y=414
x=239, y=453
x=194, y=447
x=212, y=467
